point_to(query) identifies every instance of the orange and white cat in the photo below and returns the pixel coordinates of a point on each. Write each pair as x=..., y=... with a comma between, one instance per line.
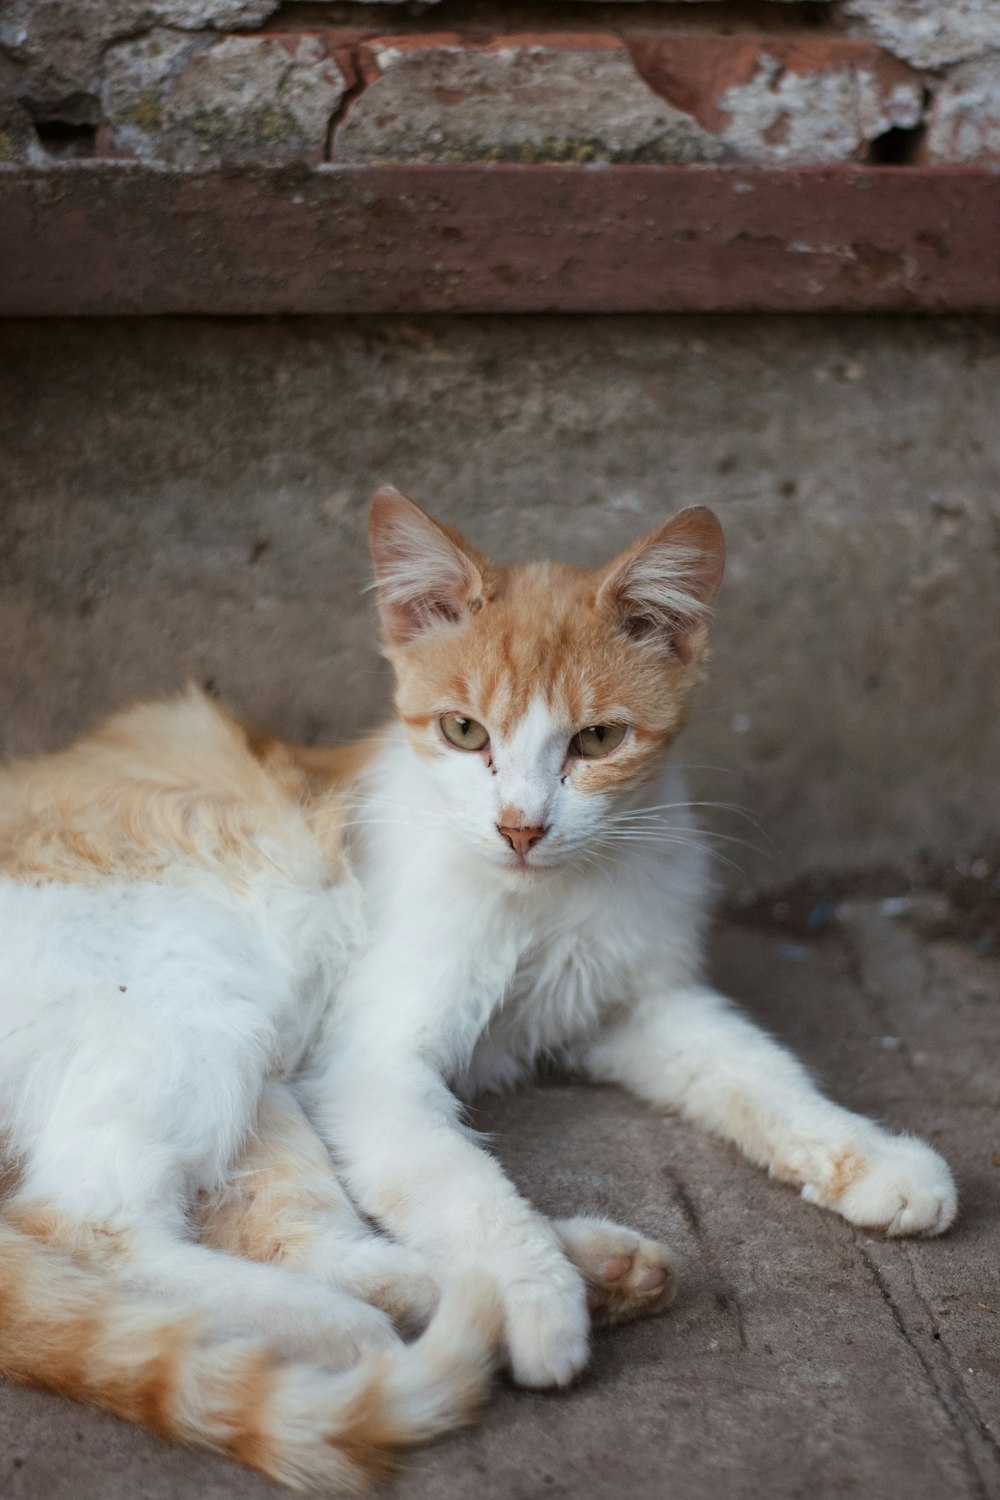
x=226, y=961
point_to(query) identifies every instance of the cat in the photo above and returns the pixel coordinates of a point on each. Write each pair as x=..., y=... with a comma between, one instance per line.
x=229, y=961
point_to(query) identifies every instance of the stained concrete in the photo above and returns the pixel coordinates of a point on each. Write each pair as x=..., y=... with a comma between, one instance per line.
x=186, y=499
x=802, y=1359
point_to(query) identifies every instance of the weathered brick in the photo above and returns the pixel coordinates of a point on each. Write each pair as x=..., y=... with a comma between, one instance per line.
x=783, y=99
x=929, y=33
x=59, y=47
x=964, y=121
x=188, y=98
x=649, y=97
x=18, y=137
x=553, y=98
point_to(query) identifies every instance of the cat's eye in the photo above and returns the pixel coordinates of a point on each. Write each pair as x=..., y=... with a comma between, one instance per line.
x=463, y=733
x=597, y=740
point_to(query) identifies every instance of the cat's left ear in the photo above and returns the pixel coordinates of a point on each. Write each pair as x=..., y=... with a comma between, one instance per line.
x=426, y=573
x=661, y=589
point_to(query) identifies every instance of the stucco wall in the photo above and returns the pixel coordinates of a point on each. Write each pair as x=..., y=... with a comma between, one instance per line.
x=186, y=500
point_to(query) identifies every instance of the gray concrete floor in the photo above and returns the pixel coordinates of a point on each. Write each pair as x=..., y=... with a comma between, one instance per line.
x=803, y=1358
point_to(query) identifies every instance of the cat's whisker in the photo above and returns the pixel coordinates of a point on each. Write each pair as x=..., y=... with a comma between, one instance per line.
x=664, y=835
x=676, y=839
x=642, y=815
x=730, y=807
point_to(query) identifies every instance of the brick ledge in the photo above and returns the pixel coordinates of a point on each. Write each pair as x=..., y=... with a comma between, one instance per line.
x=90, y=237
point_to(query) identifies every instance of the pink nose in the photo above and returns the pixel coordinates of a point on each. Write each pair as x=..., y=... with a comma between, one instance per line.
x=521, y=839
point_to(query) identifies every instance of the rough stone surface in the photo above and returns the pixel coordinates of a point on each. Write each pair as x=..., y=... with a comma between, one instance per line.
x=435, y=99
x=801, y=1357
x=550, y=98
x=189, y=99
x=929, y=33
x=779, y=100
x=697, y=98
x=964, y=123
x=18, y=136
x=186, y=500
x=58, y=48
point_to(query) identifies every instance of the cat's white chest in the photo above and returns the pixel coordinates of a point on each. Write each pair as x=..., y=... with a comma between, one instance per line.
x=562, y=987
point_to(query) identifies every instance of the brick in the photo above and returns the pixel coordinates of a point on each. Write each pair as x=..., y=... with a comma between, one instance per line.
x=435, y=98
x=929, y=33
x=647, y=98
x=59, y=47
x=784, y=100
x=18, y=138
x=964, y=123
x=187, y=99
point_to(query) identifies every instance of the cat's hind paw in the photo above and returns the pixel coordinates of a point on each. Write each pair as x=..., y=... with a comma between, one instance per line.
x=897, y=1185
x=627, y=1276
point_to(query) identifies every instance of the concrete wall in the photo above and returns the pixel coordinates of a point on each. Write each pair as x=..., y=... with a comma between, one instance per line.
x=186, y=499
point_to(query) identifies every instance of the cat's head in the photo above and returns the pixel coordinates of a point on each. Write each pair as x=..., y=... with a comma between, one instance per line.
x=538, y=696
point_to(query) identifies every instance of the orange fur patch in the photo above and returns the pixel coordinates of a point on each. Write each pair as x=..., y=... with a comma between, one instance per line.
x=282, y=1194
x=241, y=1399
x=163, y=784
x=848, y=1168
x=543, y=634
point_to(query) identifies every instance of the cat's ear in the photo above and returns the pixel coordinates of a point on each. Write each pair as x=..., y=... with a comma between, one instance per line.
x=661, y=589
x=425, y=572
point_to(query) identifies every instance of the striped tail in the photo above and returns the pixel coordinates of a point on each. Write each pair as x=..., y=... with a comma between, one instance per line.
x=68, y=1330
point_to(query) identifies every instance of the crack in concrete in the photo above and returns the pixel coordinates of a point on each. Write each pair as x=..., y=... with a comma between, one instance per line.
x=966, y=1398
x=727, y=1298
x=951, y=1394
x=687, y=1207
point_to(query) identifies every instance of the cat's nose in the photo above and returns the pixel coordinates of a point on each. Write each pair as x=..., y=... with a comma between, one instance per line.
x=521, y=839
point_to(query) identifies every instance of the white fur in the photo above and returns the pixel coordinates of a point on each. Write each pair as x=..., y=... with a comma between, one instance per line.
x=141, y=1023
x=473, y=971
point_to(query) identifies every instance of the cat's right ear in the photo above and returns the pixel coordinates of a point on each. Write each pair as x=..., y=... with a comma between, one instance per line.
x=425, y=572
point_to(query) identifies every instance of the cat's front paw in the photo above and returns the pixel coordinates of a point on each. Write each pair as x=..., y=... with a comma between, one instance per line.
x=894, y=1185
x=627, y=1275
x=547, y=1329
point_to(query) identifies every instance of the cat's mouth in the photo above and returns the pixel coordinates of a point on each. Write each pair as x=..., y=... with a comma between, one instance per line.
x=527, y=864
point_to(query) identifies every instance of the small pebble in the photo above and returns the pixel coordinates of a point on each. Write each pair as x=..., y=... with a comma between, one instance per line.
x=820, y=915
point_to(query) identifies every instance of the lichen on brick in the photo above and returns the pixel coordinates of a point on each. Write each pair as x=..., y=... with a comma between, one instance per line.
x=190, y=99
x=437, y=100
x=18, y=138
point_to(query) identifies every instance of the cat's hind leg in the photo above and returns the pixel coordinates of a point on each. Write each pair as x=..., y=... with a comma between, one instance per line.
x=134, y=1052
x=627, y=1275
x=284, y=1205
x=690, y=1050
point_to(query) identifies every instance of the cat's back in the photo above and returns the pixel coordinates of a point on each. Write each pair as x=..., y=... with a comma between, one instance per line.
x=161, y=791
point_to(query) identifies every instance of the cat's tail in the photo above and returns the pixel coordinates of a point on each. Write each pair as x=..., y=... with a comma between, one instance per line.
x=72, y=1331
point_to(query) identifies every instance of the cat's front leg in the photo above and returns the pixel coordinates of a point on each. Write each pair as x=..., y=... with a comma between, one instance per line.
x=394, y=1126
x=691, y=1051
